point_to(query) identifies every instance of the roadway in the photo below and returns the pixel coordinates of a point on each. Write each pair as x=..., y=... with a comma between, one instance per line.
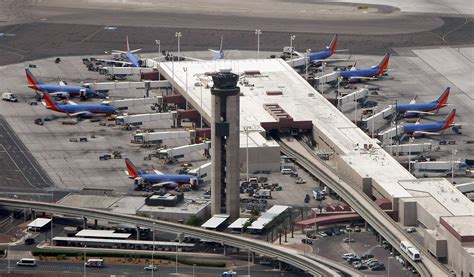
x=315, y=265
x=65, y=267
x=362, y=204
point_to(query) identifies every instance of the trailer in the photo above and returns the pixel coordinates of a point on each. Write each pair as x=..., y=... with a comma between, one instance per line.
x=466, y=187
x=437, y=168
x=133, y=102
x=158, y=137
x=201, y=171
x=139, y=119
x=180, y=151
x=408, y=148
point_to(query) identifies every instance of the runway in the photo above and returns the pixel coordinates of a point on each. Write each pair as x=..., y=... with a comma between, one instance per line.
x=19, y=170
x=43, y=30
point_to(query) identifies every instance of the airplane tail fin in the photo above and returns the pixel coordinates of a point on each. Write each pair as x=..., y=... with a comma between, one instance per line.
x=443, y=98
x=333, y=44
x=32, y=81
x=128, y=45
x=50, y=102
x=131, y=168
x=383, y=65
x=449, y=120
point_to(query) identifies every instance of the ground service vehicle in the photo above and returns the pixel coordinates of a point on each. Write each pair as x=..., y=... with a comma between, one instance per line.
x=7, y=96
x=26, y=262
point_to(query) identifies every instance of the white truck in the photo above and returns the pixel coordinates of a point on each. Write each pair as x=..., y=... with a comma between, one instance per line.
x=7, y=96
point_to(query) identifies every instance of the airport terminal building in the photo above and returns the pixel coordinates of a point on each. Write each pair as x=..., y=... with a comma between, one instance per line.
x=276, y=100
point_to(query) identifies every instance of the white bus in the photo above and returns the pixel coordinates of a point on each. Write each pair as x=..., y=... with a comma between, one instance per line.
x=26, y=262
x=95, y=263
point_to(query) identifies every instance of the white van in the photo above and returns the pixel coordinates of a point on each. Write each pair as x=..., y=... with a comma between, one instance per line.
x=26, y=262
x=95, y=263
x=286, y=171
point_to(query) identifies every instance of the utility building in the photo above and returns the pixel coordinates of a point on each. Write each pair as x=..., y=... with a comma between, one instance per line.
x=225, y=137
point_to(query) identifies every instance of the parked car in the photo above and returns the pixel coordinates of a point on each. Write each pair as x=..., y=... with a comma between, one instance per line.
x=360, y=266
x=29, y=241
x=348, y=240
x=411, y=229
x=366, y=256
x=347, y=255
x=378, y=267
x=307, y=241
x=322, y=234
x=151, y=267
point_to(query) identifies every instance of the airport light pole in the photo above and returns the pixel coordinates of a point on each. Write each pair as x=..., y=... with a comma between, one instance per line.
x=410, y=141
x=8, y=253
x=453, y=153
x=51, y=242
x=176, y=258
x=292, y=37
x=306, y=63
x=258, y=32
x=248, y=261
x=186, y=90
x=201, y=105
x=194, y=265
x=85, y=246
x=153, y=251
x=178, y=35
x=158, y=42
x=246, y=130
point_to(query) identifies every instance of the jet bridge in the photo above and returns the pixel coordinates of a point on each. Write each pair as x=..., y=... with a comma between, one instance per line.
x=139, y=119
x=123, y=104
x=128, y=85
x=320, y=81
x=359, y=95
x=158, y=137
x=123, y=71
x=386, y=113
x=172, y=154
x=408, y=148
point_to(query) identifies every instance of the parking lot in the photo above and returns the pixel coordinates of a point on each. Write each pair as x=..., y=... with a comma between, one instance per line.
x=364, y=242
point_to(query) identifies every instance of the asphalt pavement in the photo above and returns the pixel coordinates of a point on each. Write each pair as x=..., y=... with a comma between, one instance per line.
x=18, y=168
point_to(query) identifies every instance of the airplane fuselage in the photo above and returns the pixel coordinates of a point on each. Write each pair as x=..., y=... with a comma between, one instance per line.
x=160, y=178
x=428, y=127
x=95, y=109
x=423, y=107
x=71, y=90
x=134, y=60
x=372, y=72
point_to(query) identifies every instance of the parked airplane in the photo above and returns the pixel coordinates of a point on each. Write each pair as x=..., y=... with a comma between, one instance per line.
x=413, y=108
x=61, y=90
x=317, y=58
x=131, y=59
x=435, y=128
x=355, y=75
x=158, y=177
x=218, y=54
x=85, y=111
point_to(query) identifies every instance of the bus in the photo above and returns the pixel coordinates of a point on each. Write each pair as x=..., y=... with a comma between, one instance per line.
x=95, y=263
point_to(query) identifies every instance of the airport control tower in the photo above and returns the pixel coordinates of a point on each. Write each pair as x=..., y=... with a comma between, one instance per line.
x=225, y=144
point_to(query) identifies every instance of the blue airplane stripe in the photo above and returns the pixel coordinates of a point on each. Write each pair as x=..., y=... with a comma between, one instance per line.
x=429, y=127
x=417, y=107
x=359, y=72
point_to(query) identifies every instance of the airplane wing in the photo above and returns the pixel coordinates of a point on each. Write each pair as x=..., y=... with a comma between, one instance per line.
x=364, y=78
x=426, y=133
x=158, y=172
x=60, y=93
x=115, y=61
x=420, y=112
x=82, y=114
x=71, y=102
x=135, y=50
x=413, y=101
x=62, y=83
x=119, y=52
x=213, y=51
